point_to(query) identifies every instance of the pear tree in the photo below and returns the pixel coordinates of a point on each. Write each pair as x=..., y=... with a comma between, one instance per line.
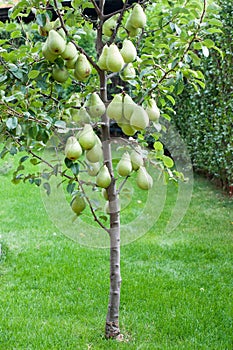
x=58, y=87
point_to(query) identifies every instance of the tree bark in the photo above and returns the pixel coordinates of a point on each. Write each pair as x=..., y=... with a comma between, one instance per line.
x=112, y=329
x=112, y=321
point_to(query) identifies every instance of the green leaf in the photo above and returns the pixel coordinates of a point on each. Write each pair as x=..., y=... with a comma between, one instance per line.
x=23, y=159
x=12, y=123
x=168, y=162
x=75, y=168
x=16, y=34
x=70, y=187
x=33, y=74
x=215, y=22
x=158, y=146
x=68, y=163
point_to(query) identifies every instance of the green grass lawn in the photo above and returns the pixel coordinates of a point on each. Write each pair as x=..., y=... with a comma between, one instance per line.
x=176, y=290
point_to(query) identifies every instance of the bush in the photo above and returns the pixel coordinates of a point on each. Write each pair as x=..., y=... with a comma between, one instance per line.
x=205, y=118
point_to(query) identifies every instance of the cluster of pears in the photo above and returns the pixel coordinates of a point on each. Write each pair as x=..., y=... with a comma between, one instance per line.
x=114, y=60
x=55, y=46
x=134, y=162
x=130, y=116
x=92, y=109
x=135, y=22
x=88, y=142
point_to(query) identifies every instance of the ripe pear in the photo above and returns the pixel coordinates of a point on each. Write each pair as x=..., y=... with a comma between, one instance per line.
x=115, y=108
x=152, y=110
x=128, y=129
x=94, y=155
x=80, y=115
x=82, y=68
x=128, y=107
x=56, y=43
x=73, y=150
x=124, y=167
x=93, y=168
x=87, y=137
x=62, y=33
x=48, y=55
x=128, y=72
x=70, y=51
x=114, y=60
x=131, y=30
x=143, y=179
x=102, y=62
x=136, y=158
x=96, y=107
x=71, y=63
x=103, y=179
x=137, y=17
x=78, y=204
x=60, y=74
x=128, y=51
x=139, y=119
x=110, y=25
x=105, y=193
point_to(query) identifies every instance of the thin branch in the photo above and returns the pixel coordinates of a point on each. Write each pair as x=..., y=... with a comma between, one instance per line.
x=113, y=37
x=97, y=9
x=122, y=184
x=60, y=16
x=92, y=209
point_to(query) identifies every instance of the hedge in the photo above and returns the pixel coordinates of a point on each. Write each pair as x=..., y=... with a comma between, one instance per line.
x=205, y=118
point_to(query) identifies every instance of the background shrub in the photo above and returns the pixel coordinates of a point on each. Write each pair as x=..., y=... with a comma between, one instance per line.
x=205, y=118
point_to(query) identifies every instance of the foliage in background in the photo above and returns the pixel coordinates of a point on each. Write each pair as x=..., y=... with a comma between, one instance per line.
x=205, y=118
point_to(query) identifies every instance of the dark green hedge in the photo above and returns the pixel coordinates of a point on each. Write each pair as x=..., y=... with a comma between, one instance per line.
x=205, y=118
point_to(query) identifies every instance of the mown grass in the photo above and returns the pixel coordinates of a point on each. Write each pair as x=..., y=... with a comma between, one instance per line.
x=176, y=289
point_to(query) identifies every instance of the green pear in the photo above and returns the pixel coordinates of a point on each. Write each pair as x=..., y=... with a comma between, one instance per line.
x=124, y=167
x=128, y=51
x=56, y=43
x=136, y=158
x=93, y=168
x=137, y=17
x=128, y=106
x=73, y=150
x=139, y=119
x=103, y=179
x=114, y=60
x=152, y=110
x=143, y=179
x=80, y=115
x=78, y=204
x=70, y=51
x=60, y=74
x=82, y=68
x=62, y=33
x=44, y=30
x=87, y=137
x=115, y=108
x=48, y=55
x=96, y=107
x=110, y=25
x=105, y=193
x=128, y=129
x=102, y=62
x=128, y=73
x=132, y=32
x=94, y=155
x=71, y=63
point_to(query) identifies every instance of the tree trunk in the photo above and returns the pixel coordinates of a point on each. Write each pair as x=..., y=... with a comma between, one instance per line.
x=112, y=329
